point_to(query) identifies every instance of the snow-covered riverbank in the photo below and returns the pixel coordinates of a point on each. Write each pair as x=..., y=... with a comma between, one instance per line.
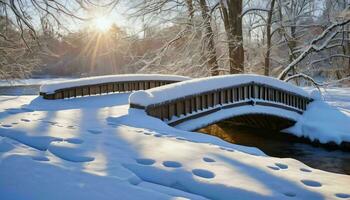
x=98, y=148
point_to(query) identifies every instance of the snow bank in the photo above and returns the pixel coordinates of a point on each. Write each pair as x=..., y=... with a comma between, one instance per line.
x=200, y=85
x=52, y=87
x=324, y=123
x=125, y=160
x=30, y=81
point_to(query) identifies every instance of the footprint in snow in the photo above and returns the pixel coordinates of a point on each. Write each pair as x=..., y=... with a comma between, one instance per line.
x=111, y=124
x=69, y=152
x=25, y=120
x=172, y=164
x=49, y=122
x=147, y=133
x=40, y=158
x=206, y=159
x=94, y=131
x=145, y=161
x=305, y=170
x=281, y=166
x=274, y=168
x=74, y=141
x=203, y=173
x=227, y=149
x=289, y=194
x=181, y=138
x=311, y=183
x=158, y=135
x=342, y=195
x=27, y=109
x=6, y=125
x=71, y=127
x=13, y=110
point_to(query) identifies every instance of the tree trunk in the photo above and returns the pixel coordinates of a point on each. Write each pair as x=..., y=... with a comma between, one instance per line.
x=269, y=36
x=190, y=11
x=231, y=12
x=209, y=39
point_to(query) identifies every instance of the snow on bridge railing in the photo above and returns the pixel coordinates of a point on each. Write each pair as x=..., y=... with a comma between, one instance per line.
x=106, y=84
x=210, y=94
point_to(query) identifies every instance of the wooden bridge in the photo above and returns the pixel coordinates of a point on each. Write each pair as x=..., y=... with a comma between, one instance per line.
x=249, y=100
x=252, y=103
x=106, y=84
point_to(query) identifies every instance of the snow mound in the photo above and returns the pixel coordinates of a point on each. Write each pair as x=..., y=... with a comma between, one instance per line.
x=200, y=85
x=324, y=123
x=52, y=87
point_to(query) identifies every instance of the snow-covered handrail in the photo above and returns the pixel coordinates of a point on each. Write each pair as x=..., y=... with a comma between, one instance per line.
x=190, y=99
x=106, y=84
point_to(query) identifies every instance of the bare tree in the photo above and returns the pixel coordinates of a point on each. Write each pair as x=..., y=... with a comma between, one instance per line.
x=232, y=18
x=210, y=52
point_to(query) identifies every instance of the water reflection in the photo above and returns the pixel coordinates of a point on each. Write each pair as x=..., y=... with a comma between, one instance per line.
x=283, y=145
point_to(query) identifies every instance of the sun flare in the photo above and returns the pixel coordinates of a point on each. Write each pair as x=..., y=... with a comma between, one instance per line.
x=102, y=24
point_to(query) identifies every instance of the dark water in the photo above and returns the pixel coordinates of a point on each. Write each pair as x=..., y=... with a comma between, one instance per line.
x=19, y=90
x=283, y=145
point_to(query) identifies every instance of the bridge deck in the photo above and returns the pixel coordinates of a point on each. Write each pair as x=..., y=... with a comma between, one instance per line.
x=254, y=93
x=106, y=84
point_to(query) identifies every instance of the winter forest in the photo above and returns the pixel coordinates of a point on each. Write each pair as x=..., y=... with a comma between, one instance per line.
x=299, y=38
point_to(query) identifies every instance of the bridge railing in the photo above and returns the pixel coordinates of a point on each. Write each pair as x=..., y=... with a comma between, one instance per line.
x=118, y=83
x=245, y=94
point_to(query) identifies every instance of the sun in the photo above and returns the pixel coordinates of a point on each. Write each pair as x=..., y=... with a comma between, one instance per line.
x=102, y=24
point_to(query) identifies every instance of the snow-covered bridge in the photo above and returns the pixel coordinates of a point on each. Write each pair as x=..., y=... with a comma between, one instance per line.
x=251, y=100
x=106, y=84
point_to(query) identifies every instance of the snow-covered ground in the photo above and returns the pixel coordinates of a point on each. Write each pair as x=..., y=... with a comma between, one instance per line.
x=31, y=81
x=97, y=148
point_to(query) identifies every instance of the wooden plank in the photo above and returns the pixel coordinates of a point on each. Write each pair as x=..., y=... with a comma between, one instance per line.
x=150, y=112
x=225, y=100
x=115, y=87
x=165, y=111
x=203, y=101
x=147, y=85
x=142, y=85
x=179, y=108
x=72, y=93
x=171, y=112
x=210, y=100
x=194, y=101
x=104, y=88
x=92, y=90
x=229, y=95
x=152, y=84
x=236, y=94
x=57, y=95
x=246, y=92
x=198, y=103
x=65, y=94
x=187, y=106
x=193, y=104
x=249, y=93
